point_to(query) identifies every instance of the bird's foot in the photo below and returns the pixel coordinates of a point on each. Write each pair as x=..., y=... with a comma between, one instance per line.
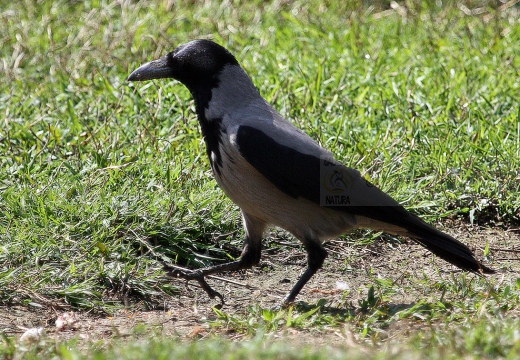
x=193, y=275
x=285, y=304
x=280, y=307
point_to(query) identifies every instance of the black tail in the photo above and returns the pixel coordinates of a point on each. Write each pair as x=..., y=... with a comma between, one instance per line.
x=439, y=243
x=445, y=246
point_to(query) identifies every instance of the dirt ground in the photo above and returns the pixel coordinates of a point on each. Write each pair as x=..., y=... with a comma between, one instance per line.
x=354, y=267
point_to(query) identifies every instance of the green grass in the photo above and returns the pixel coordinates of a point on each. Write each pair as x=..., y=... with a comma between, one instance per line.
x=261, y=348
x=94, y=171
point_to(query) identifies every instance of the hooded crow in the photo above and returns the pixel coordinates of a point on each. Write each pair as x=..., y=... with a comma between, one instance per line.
x=277, y=174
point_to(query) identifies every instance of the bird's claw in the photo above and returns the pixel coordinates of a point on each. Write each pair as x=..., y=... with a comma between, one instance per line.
x=194, y=275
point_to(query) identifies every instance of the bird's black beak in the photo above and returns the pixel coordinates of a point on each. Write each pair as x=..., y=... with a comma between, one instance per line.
x=157, y=69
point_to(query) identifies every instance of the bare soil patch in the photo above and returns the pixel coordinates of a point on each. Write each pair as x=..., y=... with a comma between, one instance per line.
x=353, y=266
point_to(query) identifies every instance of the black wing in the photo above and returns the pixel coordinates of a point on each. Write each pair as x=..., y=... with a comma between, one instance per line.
x=310, y=176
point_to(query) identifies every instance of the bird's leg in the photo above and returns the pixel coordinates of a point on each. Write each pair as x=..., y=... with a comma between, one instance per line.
x=316, y=255
x=250, y=256
x=192, y=275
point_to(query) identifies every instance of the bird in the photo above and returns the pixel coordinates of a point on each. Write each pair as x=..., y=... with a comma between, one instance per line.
x=278, y=175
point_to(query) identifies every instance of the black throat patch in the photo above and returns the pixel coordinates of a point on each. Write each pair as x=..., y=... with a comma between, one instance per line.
x=212, y=128
x=212, y=131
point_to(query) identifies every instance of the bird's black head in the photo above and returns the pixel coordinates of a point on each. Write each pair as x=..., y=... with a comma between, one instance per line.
x=195, y=64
